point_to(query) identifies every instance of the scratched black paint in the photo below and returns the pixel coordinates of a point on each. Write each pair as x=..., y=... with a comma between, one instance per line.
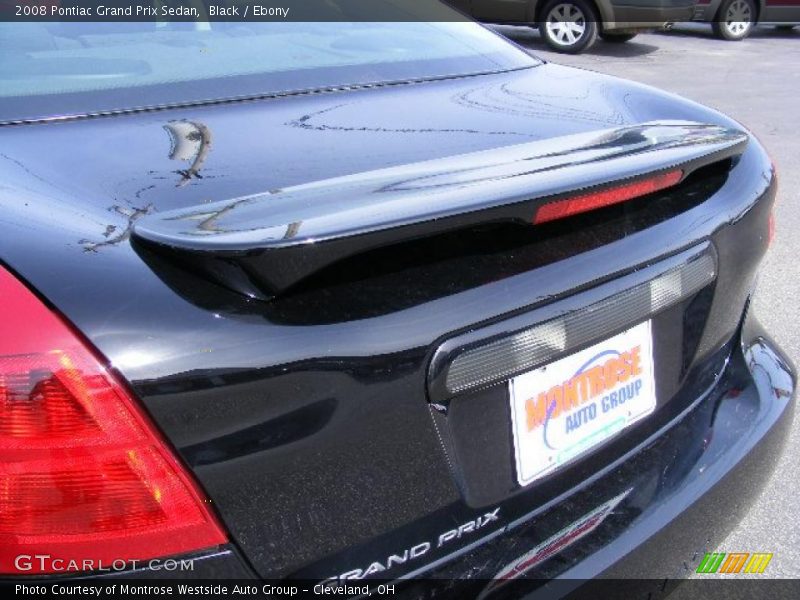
x=313, y=435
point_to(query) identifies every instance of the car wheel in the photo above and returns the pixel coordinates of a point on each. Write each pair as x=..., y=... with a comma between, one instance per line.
x=735, y=19
x=616, y=38
x=568, y=26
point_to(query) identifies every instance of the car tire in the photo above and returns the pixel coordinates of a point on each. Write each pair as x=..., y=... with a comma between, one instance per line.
x=735, y=20
x=568, y=26
x=616, y=38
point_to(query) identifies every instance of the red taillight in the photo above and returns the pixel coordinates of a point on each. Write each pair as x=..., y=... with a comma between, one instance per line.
x=560, y=209
x=84, y=475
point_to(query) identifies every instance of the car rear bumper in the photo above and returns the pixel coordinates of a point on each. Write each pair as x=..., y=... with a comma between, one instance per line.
x=750, y=414
x=689, y=486
x=684, y=490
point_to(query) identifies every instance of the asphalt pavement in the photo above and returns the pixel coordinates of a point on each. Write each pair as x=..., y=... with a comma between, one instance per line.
x=757, y=82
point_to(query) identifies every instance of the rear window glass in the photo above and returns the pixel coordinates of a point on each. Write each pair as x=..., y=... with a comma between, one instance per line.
x=49, y=69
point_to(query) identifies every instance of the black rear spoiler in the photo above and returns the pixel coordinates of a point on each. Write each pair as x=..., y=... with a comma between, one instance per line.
x=261, y=245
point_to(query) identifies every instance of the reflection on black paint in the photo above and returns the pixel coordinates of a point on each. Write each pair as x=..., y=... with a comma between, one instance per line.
x=285, y=429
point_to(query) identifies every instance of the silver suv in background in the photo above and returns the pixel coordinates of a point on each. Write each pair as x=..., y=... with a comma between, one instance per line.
x=572, y=26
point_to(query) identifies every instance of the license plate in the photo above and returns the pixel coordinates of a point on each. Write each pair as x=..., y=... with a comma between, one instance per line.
x=564, y=409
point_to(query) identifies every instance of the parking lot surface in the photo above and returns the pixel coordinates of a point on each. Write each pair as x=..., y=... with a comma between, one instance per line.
x=757, y=82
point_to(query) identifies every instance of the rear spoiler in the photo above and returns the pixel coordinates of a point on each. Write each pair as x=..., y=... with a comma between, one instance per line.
x=263, y=244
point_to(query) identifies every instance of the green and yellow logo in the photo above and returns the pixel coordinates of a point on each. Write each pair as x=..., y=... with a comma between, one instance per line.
x=734, y=562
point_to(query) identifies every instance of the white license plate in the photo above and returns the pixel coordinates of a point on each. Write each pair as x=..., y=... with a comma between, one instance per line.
x=564, y=409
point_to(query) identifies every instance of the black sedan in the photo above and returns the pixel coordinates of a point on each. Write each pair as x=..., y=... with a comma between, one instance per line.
x=343, y=302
